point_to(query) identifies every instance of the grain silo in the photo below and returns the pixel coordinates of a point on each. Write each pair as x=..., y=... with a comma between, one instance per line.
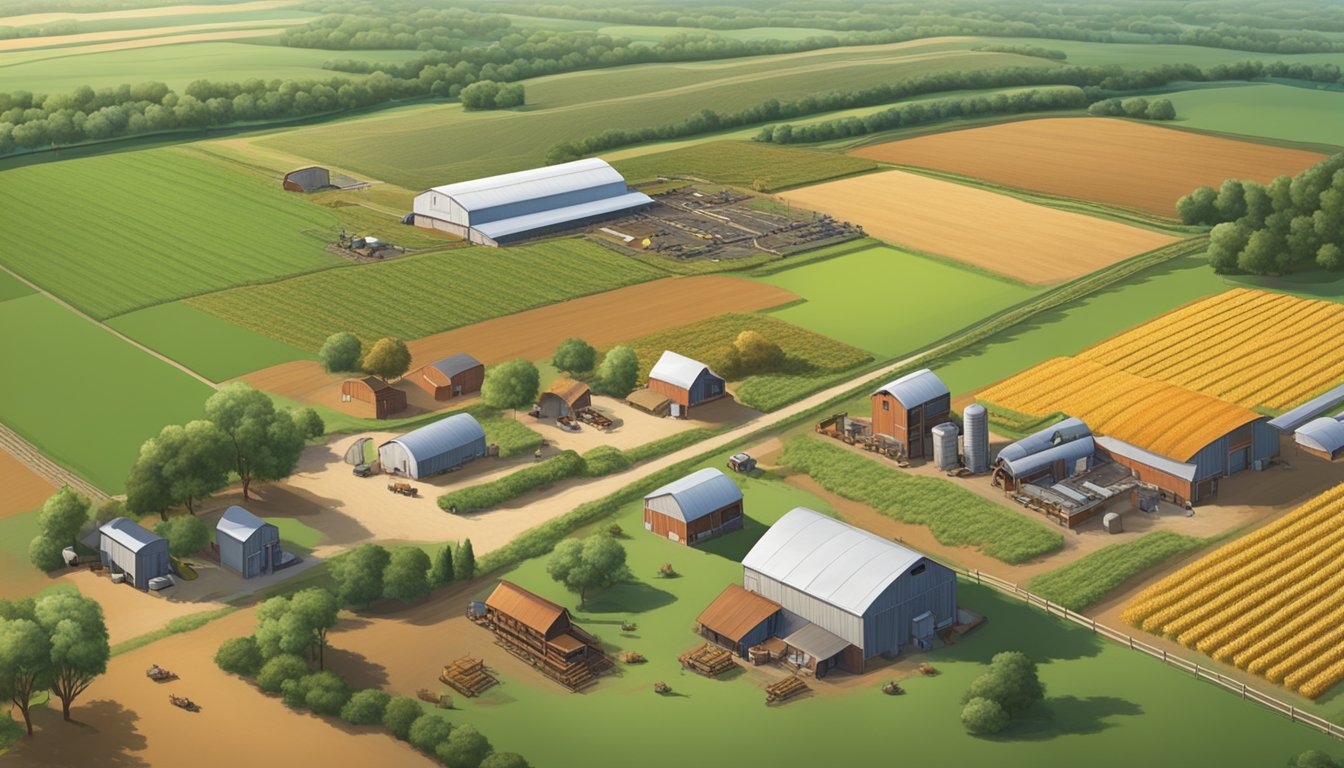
x=945, y=446
x=976, y=421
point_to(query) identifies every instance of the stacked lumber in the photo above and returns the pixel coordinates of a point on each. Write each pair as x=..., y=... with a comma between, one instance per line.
x=709, y=660
x=468, y=676
x=789, y=686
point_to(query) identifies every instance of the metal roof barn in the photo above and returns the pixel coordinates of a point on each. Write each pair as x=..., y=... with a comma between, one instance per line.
x=1058, y=434
x=455, y=364
x=1162, y=463
x=685, y=381
x=700, y=506
x=247, y=544
x=1069, y=442
x=917, y=388
x=1291, y=420
x=1323, y=436
x=125, y=547
x=446, y=444
x=739, y=619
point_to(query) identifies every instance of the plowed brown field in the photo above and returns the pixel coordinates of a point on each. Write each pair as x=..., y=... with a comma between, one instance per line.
x=1111, y=161
x=999, y=233
x=24, y=490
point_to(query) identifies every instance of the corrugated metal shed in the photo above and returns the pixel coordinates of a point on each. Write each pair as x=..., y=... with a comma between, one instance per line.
x=1292, y=420
x=695, y=495
x=128, y=534
x=916, y=388
x=1161, y=463
x=736, y=612
x=1324, y=434
x=1070, y=453
x=239, y=524
x=832, y=561
x=452, y=366
x=530, y=609
x=816, y=642
x=502, y=228
x=434, y=448
x=1063, y=432
x=521, y=186
x=677, y=370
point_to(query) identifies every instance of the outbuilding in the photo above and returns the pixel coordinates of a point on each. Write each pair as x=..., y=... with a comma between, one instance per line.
x=696, y=508
x=127, y=548
x=564, y=397
x=454, y=376
x=1322, y=437
x=309, y=179
x=544, y=634
x=906, y=411
x=384, y=399
x=685, y=382
x=439, y=447
x=738, y=619
x=1046, y=457
x=247, y=544
x=648, y=401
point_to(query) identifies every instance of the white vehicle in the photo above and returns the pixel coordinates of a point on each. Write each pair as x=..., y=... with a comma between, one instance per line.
x=161, y=582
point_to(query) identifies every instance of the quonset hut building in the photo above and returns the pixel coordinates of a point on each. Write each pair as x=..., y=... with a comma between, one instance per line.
x=434, y=448
x=516, y=206
x=126, y=547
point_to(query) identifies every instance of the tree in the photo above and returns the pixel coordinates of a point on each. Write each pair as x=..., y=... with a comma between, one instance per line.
x=359, y=575
x=442, y=571
x=310, y=424
x=180, y=465
x=464, y=565
x=1313, y=759
x=510, y=95
x=239, y=656
x=273, y=674
x=479, y=95
x=266, y=442
x=504, y=760
x=1012, y=681
x=79, y=647
x=428, y=732
x=388, y=358
x=325, y=693
x=574, y=356
x=618, y=373
x=58, y=524
x=1135, y=107
x=314, y=611
x=340, y=352
x=1161, y=109
x=366, y=707
x=587, y=565
x=109, y=510
x=25, y=663
x=752, y=353
x=1330, y=256
x=511, y=385
x=400, y=714
x=186, y=534
x=296, y=625
x=406, y=578
x=984, y=716
x=464, y=748
x=1231, y=201
x=1198, y=207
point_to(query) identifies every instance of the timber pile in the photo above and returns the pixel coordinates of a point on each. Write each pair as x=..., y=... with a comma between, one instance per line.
x=467, y=676
x=784, y=689
x=708, y=660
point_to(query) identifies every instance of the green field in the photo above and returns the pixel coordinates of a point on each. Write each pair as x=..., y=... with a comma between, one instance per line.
x=12, y=288
x=1281, y=112
x=1085, y=581
x=1152, y=54
x=889, y=301
x=297, y=534
x=118, y=232
x=216, y=349
x=419, y=295
x=653, y=34
x=745, y=164
x=83, y=396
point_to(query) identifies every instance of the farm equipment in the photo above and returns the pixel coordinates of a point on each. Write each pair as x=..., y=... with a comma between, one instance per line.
x=595, y=418
x=708, y=660
x=183, y=702
x=568, y=424
x=784, y=689
x=403, y=489
x=860, y=432
x=629, y=626
x=662, y=688
x=363, y=470
x=467, y=676
x=892, y=688
x=159, y=674
x=630, y=657
x=742, y=462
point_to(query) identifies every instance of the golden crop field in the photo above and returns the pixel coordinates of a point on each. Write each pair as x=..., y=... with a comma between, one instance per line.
x=1271, y=602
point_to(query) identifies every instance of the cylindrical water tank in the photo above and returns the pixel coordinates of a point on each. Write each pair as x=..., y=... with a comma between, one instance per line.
x=945, y=446
x=977, y=438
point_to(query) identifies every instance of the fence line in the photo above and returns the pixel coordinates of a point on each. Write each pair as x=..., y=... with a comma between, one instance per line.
x=1230, y=684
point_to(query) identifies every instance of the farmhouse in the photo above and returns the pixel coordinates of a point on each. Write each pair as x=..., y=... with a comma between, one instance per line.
x=309, y=179
x=247, y=544
x=516, y=206
x=906, y=411
x=434, y=448
x=563, y=398
x=385, y=398
x=685, y=382
x=696, y=508
x=542, y=633
x=126, y=548
x=450, y=377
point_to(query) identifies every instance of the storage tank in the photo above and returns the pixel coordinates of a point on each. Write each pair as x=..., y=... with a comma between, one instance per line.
x=945, y=446
x=976, y=420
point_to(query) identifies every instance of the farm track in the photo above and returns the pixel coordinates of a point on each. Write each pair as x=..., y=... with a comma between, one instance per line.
x=29, y=455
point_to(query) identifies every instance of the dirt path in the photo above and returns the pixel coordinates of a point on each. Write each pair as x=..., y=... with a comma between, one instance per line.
x=28, y=455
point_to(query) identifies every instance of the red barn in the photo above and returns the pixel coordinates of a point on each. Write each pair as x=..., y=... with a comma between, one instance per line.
x=685, y=382
x=385, y=398
x=450, y=377
x=695, y=508
x=906, y=411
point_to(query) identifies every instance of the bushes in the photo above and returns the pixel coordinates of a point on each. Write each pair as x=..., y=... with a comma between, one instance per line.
x=465, y=747
x=605, y=460
x=512, y=436
x=341, y=352
x=406, y=578
x=428, y=731
x=239, y=656
x=1008, y=689
x=1137, y=108
x=1086, y=580
x=401, y=712
x=366, y=707
x=561, y=466
x=487, y=94
x=983, y=717
x=666, y=445
x=325, y=693
x=279, y=670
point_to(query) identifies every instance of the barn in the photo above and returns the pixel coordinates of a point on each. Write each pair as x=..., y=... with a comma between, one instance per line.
x=696, y=508
x=564, y=398
x=542, y=633
x=308, y=179
x=434, y=448
x=454, y=376
x=247, y=544
x=383, y=398
x=847, y=595
x=1322, y=437
x=1046, y=457
x=738, y=619
x=685, y=382
x=906, y=411
x=125, y=547
x=515, y=206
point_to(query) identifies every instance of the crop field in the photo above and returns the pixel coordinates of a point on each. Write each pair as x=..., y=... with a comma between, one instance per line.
x=653, y=34
x=12, y=288
x=1243, y=346
x=1271, y=602
x=86, y=398
x=841, y=301
x=165, y=34
x=1026, y=242
x=1277, y=112
x=1140, y=54
x=24, y=489
x=177, y=331
x=1088, y=579
x=1106, y=160
x=430, y=292
x=177, y=236
x=745, y=164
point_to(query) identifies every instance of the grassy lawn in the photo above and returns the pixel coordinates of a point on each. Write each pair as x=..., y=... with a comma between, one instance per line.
x=927, y=300
x=178, y=330
x=12, y=288
x=86, y=398
x=1087, y=579
x=1282, y=112
x=18, y=577
x=294, y=533
x=745, y=164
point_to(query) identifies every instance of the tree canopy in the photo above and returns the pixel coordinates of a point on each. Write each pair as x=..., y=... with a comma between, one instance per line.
x=25, y=663
x=341, y=352
x=618, y=373
x=512, y=385
x=79, y=644
x=58, y=523
x=265, y=442
x=359, y=575
x=388, y=357
x=186, y=534
x=406, y=578
x=574, y=356
x=587, y=565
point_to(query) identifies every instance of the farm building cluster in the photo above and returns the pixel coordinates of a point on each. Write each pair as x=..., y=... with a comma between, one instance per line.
x=454, y=376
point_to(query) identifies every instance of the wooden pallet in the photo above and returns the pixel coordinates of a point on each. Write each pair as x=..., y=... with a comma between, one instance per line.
x=784, y=689
x=468, y=676
x=709, y=660
x=595, y=418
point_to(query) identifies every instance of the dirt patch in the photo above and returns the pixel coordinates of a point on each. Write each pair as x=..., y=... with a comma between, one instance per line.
x=996, y=232
x=24, y=490
x=1118, y=162
x=129, y=612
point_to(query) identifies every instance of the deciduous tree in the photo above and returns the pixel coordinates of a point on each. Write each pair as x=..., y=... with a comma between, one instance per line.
x=587, y=565
x=359, y=575
x=388, y=358
x=341, y=352
x=186, y=534
x=266, y=442
x=59, y=522
x=79, y=646
x=25, y=663
x=406, y=578
x=511, y=385
x=574, y=356
x=618, y=373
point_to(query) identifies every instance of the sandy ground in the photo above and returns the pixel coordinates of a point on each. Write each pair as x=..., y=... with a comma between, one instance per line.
x=128, y=611
x=1113, y=161
x=31, y=19
x=996, y=232
x=150, y=36
x=631, y=427
x=24, y=490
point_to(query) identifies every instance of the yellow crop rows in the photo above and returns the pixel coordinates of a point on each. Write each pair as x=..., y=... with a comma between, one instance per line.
x=1271, y=602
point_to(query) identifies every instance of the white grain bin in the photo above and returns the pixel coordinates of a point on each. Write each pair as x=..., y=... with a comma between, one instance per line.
x=945, y=446
x=976, y=420
x=1111, y=522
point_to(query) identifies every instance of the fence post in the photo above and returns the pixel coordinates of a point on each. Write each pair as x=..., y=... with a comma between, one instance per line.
x=1243, y=690
x=1292, y=713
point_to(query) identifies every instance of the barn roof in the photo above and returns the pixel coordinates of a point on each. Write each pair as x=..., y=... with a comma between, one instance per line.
x=128, y=533
x=1069, y=453
x=700, y=493
x=530, y=609
x=1292, y=420
x=552, y=216
x=375, y=384
x=816, y=641
x=237, y=523
x=568, y=390
x=531, y=184
x=443, y=436
x=1162, y=463
x=916, y=388
x=455, y=364
x=735, y=612
x=678, y=370
x=1323, y=434
x=832, y=561
x=646, y=399
x=1058, y=434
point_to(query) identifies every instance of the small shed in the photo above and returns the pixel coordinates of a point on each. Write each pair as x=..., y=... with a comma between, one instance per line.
x=738, y=619
x=247, y=544
x=564, y=398
x=385, y=398
x=649, y=401
x=439, y=447
x=460, y=374
x=696, y=508
x=125, y=547
x=309, y=179
x=686, y=382
x=1322, y=437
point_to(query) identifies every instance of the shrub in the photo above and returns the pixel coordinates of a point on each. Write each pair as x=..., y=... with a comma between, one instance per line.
x=388, y=357
x=1313, y=759
x=359, y=574
x=513, y=437
x=574, y=356
x=983, y=717
x=1011, y=681
x=366, y=707
x=465, y=747
x=605, y=460
x=561, y=466
x=325, y=693
x=340, y=352
x=406, y=578
x=504, y=760
x=400, y=713
x=239, y=656
x=273, y=674
x=429, y=731
x=186, y=534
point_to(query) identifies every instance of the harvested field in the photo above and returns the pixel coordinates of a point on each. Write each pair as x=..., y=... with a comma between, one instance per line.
x=140, y=38
x=24, y=490
x=1028, y=242
x=744, y=164
x=1117, y=162
x=31, y=19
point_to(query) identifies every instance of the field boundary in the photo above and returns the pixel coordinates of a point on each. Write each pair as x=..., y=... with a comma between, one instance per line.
x=32, y=457
x=1224, y=682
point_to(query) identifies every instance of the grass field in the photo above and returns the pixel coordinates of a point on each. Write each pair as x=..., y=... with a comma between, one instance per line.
x=216, y=349
x=178, y=235
x=1131, y=54
x=1083, y=582
x=653, y=34
x=431, y=292
x=745, y=164
x=87, y=399
x=1281, y=112
x=11, y=287
x=843, y=302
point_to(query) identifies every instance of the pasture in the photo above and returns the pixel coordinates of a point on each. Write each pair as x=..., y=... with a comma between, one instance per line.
x=84, y=397
x=1275, y=112
x=764, y=167
x=153, y=226
x=1088, y=579
x=214, y=348
x=11, y=287
x=1117, y=162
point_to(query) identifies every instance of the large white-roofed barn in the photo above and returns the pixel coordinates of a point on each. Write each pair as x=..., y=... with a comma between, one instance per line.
x=516, y=206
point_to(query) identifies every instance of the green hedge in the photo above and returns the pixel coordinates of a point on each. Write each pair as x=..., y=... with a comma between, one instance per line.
x=1087, y=580
x=956, y=516
x=475, y=498
x=512, y=436
x=668, y=444
x=605, y=460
